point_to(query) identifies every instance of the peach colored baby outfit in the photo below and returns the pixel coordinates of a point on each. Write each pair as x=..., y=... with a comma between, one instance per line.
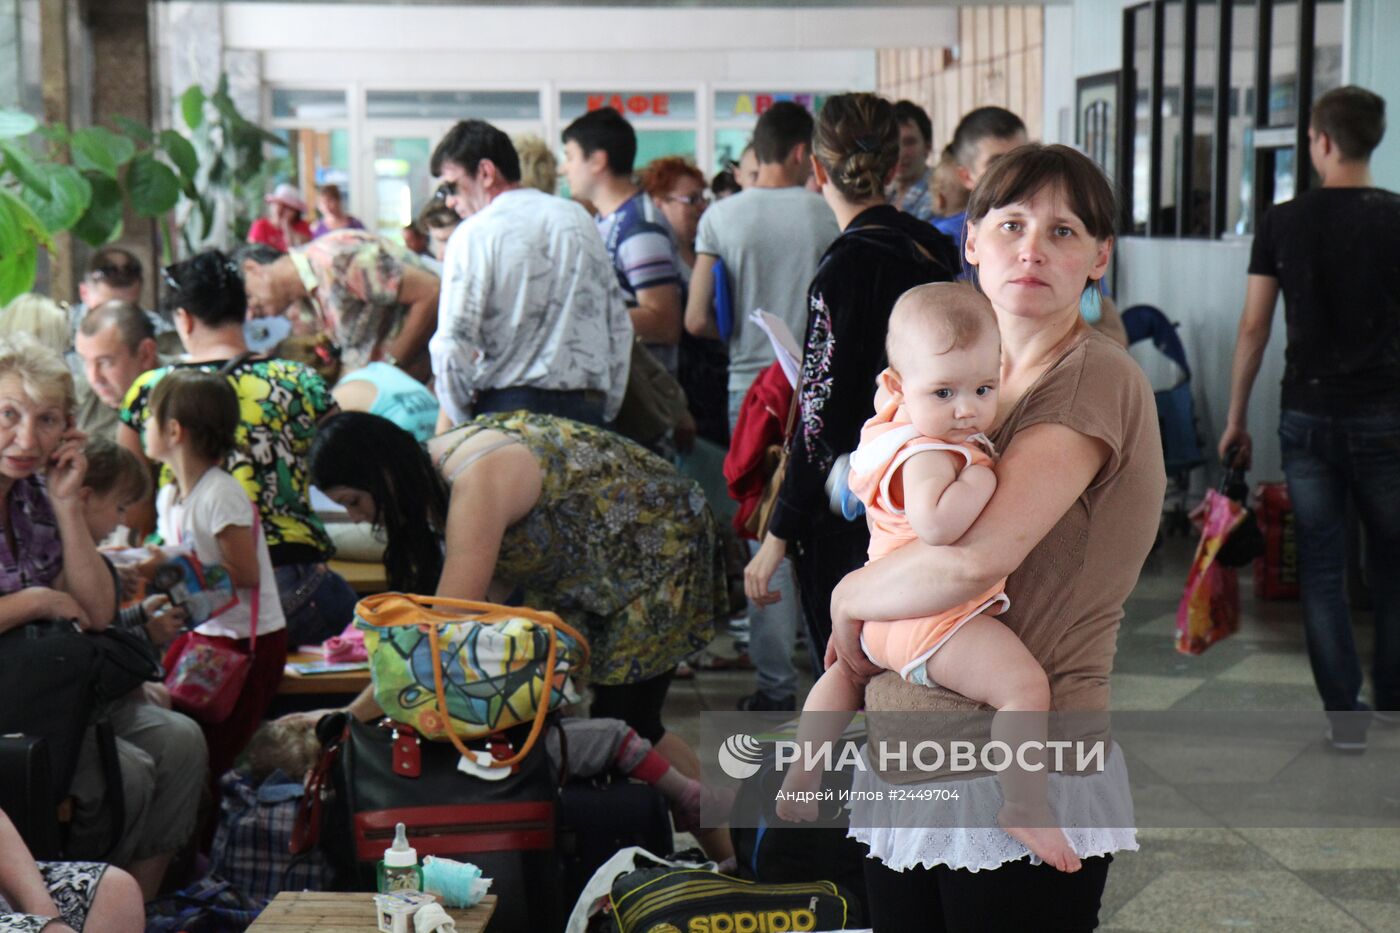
x=886, y=442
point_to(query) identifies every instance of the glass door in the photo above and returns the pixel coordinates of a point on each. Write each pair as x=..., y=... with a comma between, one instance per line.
x=401, y=179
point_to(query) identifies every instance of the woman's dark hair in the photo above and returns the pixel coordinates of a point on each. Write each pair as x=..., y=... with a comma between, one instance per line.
x=724, y=182
x=209, y=287
x=857, y=142
x=1024, y=171
x=259, y=253
x=372, y=454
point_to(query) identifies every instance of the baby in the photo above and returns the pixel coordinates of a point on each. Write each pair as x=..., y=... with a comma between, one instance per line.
x=924, y=470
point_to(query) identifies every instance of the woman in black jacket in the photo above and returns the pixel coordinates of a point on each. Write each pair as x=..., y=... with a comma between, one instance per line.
x=880, y=254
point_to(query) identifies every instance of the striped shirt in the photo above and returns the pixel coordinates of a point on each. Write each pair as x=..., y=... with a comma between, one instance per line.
x=643, y=255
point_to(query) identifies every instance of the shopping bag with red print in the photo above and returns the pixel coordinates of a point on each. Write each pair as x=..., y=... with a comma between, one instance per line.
x=1210, y=607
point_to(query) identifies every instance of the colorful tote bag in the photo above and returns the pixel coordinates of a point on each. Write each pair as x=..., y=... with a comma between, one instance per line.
x=454, y=669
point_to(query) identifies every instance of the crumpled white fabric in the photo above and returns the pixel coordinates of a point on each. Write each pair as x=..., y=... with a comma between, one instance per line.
x=977, y=844
x=431, y=918
x=600, y=885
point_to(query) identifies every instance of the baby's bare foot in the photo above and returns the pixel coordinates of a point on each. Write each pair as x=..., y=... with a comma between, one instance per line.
x=1048, y=843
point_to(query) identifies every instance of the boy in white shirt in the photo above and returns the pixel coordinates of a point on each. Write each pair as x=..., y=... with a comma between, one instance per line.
x=194, y=416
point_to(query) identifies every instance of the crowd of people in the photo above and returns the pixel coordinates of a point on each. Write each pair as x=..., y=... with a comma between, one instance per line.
x=461, y=392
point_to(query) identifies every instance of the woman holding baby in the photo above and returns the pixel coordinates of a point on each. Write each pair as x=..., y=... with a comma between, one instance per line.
x=1078, y=489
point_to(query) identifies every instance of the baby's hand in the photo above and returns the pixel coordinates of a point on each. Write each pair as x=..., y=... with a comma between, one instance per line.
x=977, y=475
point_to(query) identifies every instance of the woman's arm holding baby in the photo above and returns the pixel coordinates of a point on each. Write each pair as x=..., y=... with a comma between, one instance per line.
x=1045, y=469
x=940, y=502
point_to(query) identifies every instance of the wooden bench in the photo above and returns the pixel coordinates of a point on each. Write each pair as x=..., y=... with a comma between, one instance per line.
x=337, y=683
x=334, y=912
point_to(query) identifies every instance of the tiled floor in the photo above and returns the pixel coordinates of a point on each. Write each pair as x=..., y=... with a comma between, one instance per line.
x=1202, y=879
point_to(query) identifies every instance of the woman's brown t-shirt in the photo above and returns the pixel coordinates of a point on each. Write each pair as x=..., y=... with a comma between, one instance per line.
x=1067, y=596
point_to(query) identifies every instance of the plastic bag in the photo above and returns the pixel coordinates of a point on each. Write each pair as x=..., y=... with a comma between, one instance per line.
x=1210, y=607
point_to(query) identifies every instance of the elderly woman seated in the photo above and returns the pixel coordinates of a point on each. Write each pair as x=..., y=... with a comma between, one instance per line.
x=50, y=568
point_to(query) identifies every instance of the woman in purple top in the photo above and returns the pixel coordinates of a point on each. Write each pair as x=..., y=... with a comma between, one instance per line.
x=330, y=205
x=49, y=567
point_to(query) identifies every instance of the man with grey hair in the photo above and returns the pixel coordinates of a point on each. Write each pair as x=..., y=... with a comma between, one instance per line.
x=115, y=274
x=116, y=343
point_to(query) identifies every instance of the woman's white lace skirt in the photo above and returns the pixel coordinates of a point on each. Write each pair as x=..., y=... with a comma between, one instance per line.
x=962, y=833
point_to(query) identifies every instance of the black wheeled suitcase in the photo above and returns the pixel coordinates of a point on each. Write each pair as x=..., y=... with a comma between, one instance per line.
x=598, y=819
x=27, y=792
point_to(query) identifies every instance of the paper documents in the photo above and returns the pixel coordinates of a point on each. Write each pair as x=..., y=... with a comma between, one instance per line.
x=784, y=344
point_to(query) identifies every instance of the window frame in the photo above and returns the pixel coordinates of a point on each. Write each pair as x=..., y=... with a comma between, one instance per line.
x=1268, y=141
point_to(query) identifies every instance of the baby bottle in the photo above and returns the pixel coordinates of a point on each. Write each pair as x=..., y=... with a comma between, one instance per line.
x=399, y=871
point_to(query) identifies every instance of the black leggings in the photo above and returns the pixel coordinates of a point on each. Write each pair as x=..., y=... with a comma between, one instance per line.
x=1016, y=897
x=638, y=705
x=820, y=563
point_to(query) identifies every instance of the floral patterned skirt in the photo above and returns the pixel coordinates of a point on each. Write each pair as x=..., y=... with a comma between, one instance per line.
x=72, y=885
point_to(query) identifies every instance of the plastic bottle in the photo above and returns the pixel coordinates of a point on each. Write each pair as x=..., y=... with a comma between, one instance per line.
x=399, y=870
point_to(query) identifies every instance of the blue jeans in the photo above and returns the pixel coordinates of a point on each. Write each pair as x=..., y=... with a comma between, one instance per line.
x=772, y=629
x=1326, y=459
x=316, y=600
x=578, y=404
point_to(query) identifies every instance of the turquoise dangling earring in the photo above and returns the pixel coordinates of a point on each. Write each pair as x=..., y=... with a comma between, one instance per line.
x=1091, y=303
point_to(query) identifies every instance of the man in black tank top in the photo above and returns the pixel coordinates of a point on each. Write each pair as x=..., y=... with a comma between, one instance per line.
x=1334, y=252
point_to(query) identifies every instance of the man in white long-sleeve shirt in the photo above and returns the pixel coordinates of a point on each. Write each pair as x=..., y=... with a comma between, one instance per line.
x=530, y=315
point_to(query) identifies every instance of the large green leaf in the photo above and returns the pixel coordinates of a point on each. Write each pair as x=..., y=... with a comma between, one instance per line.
x=181, y=153
x=14, y=123
x=137, y=131
x=66, y=197
x=192, y=106
x=21, y=163
x=21, y=236
x=151, y=185
x=102, y=222
x=97, y=148
x=55, y=133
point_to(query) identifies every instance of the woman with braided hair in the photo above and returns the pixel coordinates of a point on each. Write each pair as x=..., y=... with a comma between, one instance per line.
x=880, y=254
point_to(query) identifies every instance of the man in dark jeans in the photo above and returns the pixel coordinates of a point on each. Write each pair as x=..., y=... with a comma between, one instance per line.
x=1333, y=253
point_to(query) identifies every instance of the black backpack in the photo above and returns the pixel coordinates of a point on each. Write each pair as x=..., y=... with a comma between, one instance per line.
x=54, y=682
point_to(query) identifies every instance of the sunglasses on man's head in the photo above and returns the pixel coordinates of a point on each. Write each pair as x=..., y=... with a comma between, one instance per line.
x=117, y=275
x=444, y=191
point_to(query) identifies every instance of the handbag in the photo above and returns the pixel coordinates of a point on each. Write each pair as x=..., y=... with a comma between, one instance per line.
x=455, y=669
x=1246, y=541
x=373, y=775
x=207, y=677
x=775, y=463
x=654, y=401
